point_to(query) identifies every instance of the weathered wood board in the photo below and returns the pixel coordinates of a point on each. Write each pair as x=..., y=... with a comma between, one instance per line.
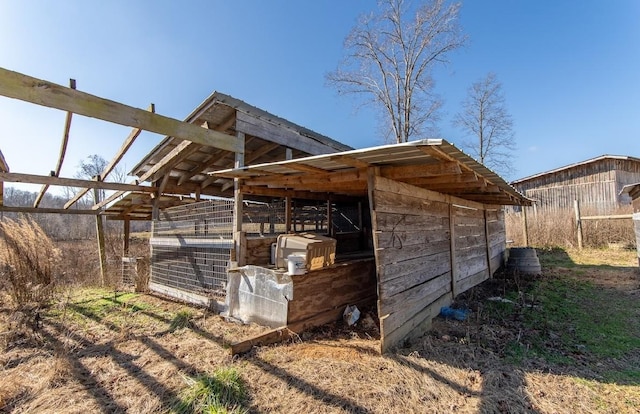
x=259, y=250
x=331, y=288
x=429, y=247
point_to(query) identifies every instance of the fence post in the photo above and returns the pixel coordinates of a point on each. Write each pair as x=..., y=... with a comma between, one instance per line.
x=576, y=207
x=525, y=232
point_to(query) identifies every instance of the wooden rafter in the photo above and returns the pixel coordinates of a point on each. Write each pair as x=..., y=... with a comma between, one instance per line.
x=40, y=92
x=63, y=149
x=175, y=156
x=303, y=195
x=197, y=169
x=107, y=200
x=14, y=209
x=71, y=182
x=135, y=132
x=265, y=149
x=414, y=171
x=349, y=161
x=4, y=167
x=226, y=124
x=442, y=179
x=305, y=168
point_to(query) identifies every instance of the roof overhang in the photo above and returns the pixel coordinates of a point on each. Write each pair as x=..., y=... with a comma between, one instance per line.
x=577, y=164
x=433, y=164
x=139, y=206
x=633, y=190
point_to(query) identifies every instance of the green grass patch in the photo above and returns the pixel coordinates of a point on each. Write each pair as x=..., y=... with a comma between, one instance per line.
x=565, y=320
x=584, y=318
x=220, y=393
x=105, y=306
x=182, y=319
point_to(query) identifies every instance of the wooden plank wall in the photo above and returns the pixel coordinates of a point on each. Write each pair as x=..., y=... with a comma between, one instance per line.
x=596, y=185
x=471, y=257
x=328, y=291
x=497, y=238
x=417, y=274
x=258, y=250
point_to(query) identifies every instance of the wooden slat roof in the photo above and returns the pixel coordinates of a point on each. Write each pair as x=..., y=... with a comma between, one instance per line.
x=433, y=164
x=188, y=164
x=138, y=206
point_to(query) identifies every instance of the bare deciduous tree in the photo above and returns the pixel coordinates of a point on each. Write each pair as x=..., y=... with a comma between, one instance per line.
x=92, y=167
x=389, y=58
x=485, y=118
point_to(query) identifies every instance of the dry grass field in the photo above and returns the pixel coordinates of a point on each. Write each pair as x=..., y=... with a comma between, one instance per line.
x=565, y=342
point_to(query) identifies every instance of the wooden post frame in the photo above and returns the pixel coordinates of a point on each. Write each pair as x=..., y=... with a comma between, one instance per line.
x=238, y=236
x=101, y=243
x=576, y=207
x=40, y=92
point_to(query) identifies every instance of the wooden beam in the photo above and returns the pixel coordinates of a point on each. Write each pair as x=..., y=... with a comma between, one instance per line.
x=223, y=126
x=354, y=186
x=442, y=179
x=238, y=236
x=284, y=136
x=26, y=88
x=101, y=244
x=198, y=169
x=181, y=151
x=305, y=168
x=71, y=182
x=125, y=239
x=63, y=149
x=41, y=210
x=310, y=179
x=415, y=171
x=349, y=161
x=107, y=200
x=116, y=159
x=302, y=195
x=265, y=149
x=4, y=167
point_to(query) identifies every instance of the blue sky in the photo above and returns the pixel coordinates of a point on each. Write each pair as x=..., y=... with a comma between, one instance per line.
x=570, y=71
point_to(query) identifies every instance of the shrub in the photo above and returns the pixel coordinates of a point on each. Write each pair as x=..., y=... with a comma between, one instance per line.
x=29, y=262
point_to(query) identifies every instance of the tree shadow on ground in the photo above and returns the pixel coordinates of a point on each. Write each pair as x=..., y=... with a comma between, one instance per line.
x=77, y=346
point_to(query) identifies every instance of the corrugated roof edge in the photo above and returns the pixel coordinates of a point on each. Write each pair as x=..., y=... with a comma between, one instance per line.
x=627, y=189
x=461, y=157
x=576, y=164
x=240, y=105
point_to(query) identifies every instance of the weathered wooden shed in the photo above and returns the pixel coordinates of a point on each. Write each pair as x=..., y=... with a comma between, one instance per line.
x=596, y=183
x=633, y=191
x=433, y=215
x=414, y=224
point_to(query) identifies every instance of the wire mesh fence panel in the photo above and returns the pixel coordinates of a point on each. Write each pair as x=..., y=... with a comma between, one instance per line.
x=212, y=218
x=264, y=218
x=191, y=269
x=346, y=218
x=129, y=271
x=191, y=247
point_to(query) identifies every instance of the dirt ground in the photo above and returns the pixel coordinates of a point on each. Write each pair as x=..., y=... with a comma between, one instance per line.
x=101, y=351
